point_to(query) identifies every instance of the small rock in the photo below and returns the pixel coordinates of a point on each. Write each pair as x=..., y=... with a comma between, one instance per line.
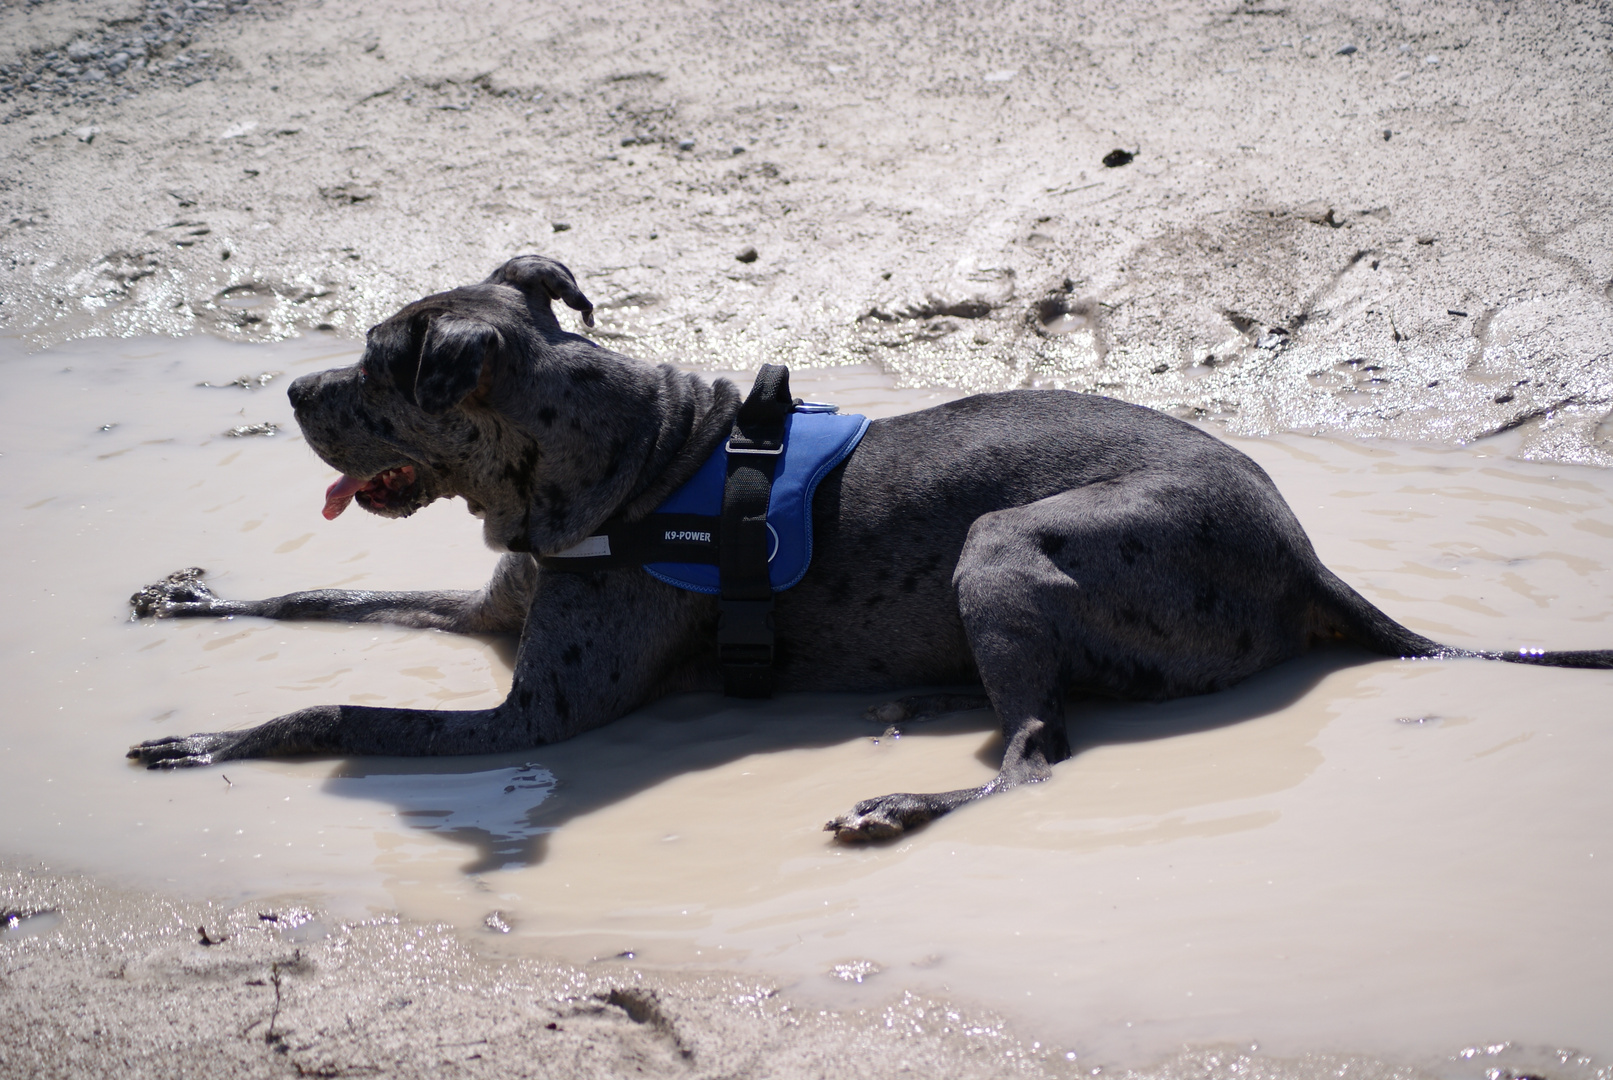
x=1318, y=213
x=1386, y=134
x=685, y=144
x=86, y=134
x=118, y=64
x=1431, y=60
x=1347, y=50
x=561, y=226
x=747, y=254
x=1275, y=338
x=1116, y=158
x=267, y=427
x=81, y=50
x=738, y=150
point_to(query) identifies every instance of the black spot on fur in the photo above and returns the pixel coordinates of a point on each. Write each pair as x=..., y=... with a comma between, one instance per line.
x=520, y=472
x=910, y=583
x=559, y=505
x=587, y=374
x=1130, y=547
x=525, y=698
x=572, y=655
x=547, y=415
x=1052, y=545
x=875, y=600
x=1245, y=641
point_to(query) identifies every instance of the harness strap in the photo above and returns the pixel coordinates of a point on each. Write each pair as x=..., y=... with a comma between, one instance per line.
x=679, y=538
x=738, y=542
x=745, y=604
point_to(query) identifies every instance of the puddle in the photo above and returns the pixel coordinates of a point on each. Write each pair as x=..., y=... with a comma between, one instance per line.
x=1389, y=858
x=15, y=925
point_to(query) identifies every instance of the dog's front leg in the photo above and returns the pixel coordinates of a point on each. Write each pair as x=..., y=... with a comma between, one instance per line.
x=595, y=647
x=499, y=608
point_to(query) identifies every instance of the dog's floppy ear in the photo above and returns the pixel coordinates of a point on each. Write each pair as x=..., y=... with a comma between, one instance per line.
x=451, y=357
x=544, y=279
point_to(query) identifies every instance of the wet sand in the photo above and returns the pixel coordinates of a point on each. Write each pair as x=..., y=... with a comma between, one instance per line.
x=1384, y=220
x=1380, y=859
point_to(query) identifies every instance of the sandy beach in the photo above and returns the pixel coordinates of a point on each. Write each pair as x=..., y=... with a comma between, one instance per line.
x=1370, y=243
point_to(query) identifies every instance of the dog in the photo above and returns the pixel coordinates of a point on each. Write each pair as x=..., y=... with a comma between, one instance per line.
x=1033, y=543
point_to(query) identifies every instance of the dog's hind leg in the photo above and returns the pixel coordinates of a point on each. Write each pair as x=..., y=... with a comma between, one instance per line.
x=1001, y=597
x=499, y=608
x=1139, y=589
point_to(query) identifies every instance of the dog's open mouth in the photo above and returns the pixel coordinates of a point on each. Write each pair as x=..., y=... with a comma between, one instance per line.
x=392, y=493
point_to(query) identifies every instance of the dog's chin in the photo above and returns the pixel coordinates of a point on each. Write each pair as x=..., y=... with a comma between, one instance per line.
x=396, y=493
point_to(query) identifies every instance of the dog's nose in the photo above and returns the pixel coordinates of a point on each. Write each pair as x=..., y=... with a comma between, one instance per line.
x=300, y=390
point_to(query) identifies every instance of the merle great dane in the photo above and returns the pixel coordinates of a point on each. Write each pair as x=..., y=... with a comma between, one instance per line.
x=1034, y=543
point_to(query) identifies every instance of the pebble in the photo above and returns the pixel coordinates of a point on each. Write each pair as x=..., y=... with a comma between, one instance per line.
x=560, y=226
x=685, y=144
x=747, y=254
x=1116, y=158
x=1348, y=50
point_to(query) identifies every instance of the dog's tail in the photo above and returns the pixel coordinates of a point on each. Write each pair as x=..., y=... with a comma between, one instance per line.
x=1343, y=612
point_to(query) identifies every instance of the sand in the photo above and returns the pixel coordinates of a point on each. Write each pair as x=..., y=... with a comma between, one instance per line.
x=1381, y=219
x=1350, y=220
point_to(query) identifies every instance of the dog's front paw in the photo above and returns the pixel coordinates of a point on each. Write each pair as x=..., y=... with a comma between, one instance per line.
x=180, y=593
x=185, y=751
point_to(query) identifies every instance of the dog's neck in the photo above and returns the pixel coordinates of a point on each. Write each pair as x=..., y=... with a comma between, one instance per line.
x=596, y=436
x=699, y=416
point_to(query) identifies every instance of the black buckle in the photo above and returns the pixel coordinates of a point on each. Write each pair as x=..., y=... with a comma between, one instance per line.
x=769, y=447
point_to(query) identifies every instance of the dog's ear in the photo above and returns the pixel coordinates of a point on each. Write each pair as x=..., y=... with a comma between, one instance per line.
x=452, y=354
x=543, y=279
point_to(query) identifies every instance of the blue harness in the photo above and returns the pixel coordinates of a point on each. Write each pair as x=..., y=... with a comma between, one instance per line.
x=741, y=527
x=814, y=443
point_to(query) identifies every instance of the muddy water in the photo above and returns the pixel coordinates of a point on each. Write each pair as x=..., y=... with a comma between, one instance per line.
x=1390, y=858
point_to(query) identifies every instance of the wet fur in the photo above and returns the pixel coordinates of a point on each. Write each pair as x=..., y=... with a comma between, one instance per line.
x=1036, y=542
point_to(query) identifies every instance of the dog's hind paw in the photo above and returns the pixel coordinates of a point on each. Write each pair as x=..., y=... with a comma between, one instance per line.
x=855, y=828
x=180, y=593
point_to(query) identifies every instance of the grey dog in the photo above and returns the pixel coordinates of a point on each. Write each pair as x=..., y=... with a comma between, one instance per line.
x=1034, y=542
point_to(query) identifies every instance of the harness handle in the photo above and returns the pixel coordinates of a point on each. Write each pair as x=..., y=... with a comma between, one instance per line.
x=745, y=646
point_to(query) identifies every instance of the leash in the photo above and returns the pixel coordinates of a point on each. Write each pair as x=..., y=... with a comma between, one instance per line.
x=738, y=541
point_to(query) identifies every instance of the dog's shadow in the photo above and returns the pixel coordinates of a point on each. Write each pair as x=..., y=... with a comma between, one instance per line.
x=503, y=807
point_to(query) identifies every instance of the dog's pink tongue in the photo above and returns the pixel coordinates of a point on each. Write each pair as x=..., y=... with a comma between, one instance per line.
x=339, y=495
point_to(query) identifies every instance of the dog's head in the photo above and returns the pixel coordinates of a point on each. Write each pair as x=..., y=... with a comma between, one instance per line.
x=477, y=392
